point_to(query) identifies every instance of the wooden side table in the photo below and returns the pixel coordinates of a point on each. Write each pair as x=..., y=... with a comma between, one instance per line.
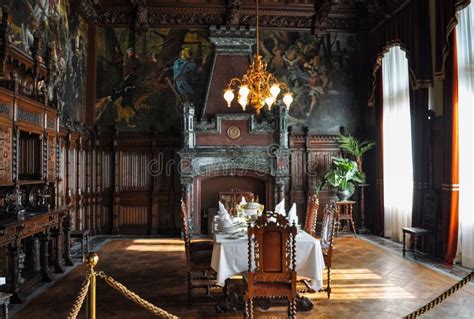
x=344, y=212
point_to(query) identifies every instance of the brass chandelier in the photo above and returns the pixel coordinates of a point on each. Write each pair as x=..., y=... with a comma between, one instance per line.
x=258, y=87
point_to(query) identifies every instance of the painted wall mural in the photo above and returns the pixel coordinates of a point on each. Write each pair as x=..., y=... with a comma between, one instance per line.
x=62, y=29
x=320, y=72
x=143, y=77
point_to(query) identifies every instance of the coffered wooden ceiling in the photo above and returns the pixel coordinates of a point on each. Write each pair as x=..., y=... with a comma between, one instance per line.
x=318, y=16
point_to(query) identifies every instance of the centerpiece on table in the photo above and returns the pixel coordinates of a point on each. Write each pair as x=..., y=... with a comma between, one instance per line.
x=252, y=209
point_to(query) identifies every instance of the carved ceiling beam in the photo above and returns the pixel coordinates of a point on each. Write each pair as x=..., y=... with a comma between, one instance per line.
x=328, y=15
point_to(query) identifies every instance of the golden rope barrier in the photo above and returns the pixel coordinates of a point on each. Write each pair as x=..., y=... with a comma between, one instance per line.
x=89, y=289
x=430, y=305
x=76, y=306
x=136, y=298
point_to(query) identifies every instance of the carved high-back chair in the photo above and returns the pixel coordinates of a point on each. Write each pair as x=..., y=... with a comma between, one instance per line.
x=272, y=250
x=233, y=198
x=312, y=208
x=327, y=236
x=198, y=259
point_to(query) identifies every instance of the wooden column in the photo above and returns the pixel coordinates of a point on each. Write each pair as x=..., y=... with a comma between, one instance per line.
x=153, y=189
x=116, y=187
x=16, y=258
x=44, y=259
x=66, y=224
x=98, y=185
x=58, y=249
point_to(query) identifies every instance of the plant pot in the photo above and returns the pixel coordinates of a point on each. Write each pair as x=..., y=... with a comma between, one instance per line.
x=343, y=194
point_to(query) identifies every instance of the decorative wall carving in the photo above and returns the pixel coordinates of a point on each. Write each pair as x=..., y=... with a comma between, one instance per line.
x=298, y=15
x=23, y=115
x=4, y=109
x=5, y=154
x=52, y=158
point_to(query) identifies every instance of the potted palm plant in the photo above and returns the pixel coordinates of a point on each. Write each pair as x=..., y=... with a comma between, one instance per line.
x=354, y=147
x=343, y=175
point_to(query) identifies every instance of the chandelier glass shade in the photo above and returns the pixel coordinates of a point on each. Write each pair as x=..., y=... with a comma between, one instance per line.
x=257, y=87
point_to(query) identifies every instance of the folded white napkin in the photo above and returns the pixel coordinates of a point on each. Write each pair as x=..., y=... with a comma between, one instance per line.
x=243, y=201
x=223, y=213
x=224, y=218
x=292, y=215
x=280, y=208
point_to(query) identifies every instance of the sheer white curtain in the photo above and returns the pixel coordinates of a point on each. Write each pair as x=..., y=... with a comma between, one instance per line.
x=465, y=52
x=397, y=143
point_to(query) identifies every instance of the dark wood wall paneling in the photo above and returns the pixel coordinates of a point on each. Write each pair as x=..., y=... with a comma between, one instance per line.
x=311, y=156
x=108, y=182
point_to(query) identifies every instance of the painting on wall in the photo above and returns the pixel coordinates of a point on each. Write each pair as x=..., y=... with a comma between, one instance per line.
x=142, y=78
x=63, y=30
x=320, y=72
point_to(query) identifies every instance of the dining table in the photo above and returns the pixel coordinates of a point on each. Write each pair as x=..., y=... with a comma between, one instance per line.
x=230, y=257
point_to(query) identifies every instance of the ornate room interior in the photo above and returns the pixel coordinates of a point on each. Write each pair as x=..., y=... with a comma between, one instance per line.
x=236, y=158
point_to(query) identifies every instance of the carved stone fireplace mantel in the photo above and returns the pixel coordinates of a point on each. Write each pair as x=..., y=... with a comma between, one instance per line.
x=234, y=145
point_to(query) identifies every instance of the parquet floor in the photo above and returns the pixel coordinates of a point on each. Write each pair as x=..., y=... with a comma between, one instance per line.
x=368, y=282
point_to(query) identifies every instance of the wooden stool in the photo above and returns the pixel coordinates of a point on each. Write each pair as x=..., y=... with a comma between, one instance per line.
x=344, y=212
x=83, y=236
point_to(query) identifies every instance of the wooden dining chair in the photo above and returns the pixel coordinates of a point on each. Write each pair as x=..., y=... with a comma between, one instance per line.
x=312, y=208
x=198, y=259
x=327, y=236
x=272, y=249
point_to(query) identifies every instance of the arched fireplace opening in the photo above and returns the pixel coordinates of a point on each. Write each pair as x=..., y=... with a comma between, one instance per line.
x=210, y=187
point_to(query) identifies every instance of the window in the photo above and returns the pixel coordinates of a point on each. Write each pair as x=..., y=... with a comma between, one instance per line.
x=397, y=144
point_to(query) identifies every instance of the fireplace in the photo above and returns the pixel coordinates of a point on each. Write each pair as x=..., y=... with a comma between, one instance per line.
x=257, y=162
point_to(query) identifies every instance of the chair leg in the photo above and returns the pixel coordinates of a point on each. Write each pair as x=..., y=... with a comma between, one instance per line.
x=329, y=283
x=292, y=308
x=433, y=245
x=248, y=309
x=414, y=247
x=189, y=288
x=353, y=227
x=404, y=240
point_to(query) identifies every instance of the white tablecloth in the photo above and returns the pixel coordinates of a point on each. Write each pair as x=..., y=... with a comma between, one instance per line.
x=230, y=257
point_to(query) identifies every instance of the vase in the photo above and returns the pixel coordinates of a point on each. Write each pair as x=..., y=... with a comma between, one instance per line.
x=343, y=194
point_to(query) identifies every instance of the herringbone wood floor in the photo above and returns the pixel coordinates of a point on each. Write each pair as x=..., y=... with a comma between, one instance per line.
x=368, y=282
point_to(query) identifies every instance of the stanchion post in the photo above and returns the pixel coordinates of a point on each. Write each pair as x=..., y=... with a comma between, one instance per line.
x=91, y=261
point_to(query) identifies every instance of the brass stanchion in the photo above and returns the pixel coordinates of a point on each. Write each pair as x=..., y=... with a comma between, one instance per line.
x=91, y=261
x=88, y=290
